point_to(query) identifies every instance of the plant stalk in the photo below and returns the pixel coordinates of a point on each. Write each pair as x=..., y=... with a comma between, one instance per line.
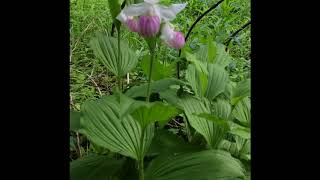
x=178, y=69
x=78, y=144
x=152, y=54
x=119, y=59
x=141, y=158
x=141, y=170
x=113, y=23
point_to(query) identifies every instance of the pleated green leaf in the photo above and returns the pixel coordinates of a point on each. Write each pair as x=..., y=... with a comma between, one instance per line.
x=242, y=132
x=94, y=167
x=197, y=75
x=214, y=53
x=106, y=50
x=204, y=165
x=217, y=81
x=222, y=109
x=159, y=70
x=199, y=65
x=229, y=88
x=167, y=143
x=126, y=104
x=212, y=132
x=240, y=91
x=215, y=119
x=209, y=83
x=220, y=128
x=242, y=111
x=240, y=137
x=114, y=7
x=152, y=112
x=202, y=54
x=222, y=58
x=156, y=87
x=239, y=149
x=231, y=147
x=170, y=96
x=104, y=126
x=198, y=80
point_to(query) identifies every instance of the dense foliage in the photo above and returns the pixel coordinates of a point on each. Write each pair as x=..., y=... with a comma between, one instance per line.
x=165, y=111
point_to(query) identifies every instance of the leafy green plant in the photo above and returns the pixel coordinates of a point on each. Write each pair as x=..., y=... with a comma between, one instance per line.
x=129, y=136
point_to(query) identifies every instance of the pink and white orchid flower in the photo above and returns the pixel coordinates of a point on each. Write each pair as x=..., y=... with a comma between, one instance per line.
x=172, y=38
x=129, y=21
x=150, y=14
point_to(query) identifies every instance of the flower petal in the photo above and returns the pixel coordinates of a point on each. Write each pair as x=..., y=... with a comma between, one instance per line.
x=167, y=32
x=169, y=13
x=132, y=24
x=178, y=41
x=136, y=9
x=149, y=25
x=122, y=17
x=152, y=1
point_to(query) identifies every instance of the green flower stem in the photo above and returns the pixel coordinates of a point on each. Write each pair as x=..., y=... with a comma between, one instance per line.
x=152, y=44
x=119, y=59
x=150, y=74
x=141, y=157
x=141, y=171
